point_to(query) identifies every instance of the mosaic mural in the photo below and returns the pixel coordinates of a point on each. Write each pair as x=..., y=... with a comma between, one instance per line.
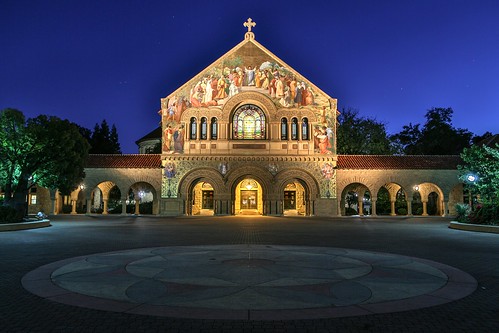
x=249, y=67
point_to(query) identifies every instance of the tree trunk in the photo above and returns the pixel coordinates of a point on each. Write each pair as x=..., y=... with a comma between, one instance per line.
x=19, y=199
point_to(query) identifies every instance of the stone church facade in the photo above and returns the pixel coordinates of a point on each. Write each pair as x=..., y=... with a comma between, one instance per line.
x=250, y=135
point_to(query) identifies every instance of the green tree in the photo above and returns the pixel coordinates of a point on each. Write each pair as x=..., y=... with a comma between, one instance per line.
x=483, y=163
x=437, y=137
x=360, y=135
x=478, y=139
x=45, y=151
x=104, y=140
x=12, y=134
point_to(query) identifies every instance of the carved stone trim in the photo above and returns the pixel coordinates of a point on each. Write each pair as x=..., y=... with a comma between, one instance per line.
x=249, y=97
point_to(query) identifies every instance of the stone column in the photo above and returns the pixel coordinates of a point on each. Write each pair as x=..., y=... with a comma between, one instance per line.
x=308, y=211
x=104, y=210
x=89, y=206
x=54, y=206
x=409, y=207
x=392, y=208
x=360, y=205
x=446, y=207
x=373, y=206
x=425, y=212
x=224, y=207
x=73, y=207
x=123, y=204
x=53, y=198
x=137, y=207
x=280, y=207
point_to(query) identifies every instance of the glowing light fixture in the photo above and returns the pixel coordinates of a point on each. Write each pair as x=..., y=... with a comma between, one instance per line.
x=471, y=178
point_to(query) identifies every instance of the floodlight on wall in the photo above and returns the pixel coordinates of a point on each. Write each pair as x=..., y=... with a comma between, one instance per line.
x=416, y=187
x=471, y=178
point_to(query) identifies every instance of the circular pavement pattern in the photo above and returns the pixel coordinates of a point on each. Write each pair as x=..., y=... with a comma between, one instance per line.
x=253, y=282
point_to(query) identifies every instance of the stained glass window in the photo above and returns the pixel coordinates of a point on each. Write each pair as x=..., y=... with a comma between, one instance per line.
x=304, y=129
x=204, y=128
x=284, y=129
x=248, y=123
x=214, y=133
x=294, y=129
x=193, y=129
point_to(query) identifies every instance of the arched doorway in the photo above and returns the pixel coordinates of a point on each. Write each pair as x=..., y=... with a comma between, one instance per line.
x=356, y=200
x=294, y=199
x=99, y=198
x=431, y=197
x=141, y=199
x=248, y=198
x=203, y=202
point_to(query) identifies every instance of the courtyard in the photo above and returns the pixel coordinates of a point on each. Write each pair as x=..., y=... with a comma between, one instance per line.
x=425, y=241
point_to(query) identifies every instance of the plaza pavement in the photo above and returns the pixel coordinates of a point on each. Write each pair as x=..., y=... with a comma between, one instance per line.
x=427, y=244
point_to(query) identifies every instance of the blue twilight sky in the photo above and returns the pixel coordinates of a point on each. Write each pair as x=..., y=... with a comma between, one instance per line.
x=90, y=60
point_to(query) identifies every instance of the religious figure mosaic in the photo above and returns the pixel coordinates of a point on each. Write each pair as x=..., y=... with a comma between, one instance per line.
x=248, y=67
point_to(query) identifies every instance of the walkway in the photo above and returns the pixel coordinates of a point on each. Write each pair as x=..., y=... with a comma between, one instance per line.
x=117, y=274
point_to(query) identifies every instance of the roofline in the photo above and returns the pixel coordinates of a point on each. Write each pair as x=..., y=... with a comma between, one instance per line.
x=264, y=49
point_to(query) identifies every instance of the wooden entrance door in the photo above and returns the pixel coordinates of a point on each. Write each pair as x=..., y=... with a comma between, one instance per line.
x=249, y=199
x=207, y=200
x=289, y=199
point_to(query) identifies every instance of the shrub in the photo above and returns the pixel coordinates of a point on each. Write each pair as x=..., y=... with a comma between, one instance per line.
x=463, y=212
x=9, y=214
x=402, y=211
x=66, y=209
x=485, y=214
x=350, y=211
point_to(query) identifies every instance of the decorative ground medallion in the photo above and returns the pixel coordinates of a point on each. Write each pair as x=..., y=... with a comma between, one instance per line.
x=249, y=282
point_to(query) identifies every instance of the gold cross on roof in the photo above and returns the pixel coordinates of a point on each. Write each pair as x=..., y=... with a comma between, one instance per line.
x=249, y=24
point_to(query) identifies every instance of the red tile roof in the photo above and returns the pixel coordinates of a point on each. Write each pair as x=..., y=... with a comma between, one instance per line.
x=381, y=162
x=124, y=161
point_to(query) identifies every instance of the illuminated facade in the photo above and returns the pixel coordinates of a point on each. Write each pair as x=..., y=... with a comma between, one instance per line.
x=250, y=135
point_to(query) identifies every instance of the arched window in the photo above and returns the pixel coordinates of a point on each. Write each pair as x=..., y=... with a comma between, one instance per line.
x=204, y=128
x=248, y=123
x=284, y=129
x=294, y=129
x=304, y=129
x=193, y=129
x=214, y=129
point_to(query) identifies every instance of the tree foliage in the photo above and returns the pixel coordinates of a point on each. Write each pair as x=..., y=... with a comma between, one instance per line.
x=436, y=137
x=45, y=151
x=104, y=140
x=483, y=162
x=360, y=135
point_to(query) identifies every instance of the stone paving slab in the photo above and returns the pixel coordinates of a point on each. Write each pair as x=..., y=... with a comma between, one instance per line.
x=71, y=237
x=249, y=281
